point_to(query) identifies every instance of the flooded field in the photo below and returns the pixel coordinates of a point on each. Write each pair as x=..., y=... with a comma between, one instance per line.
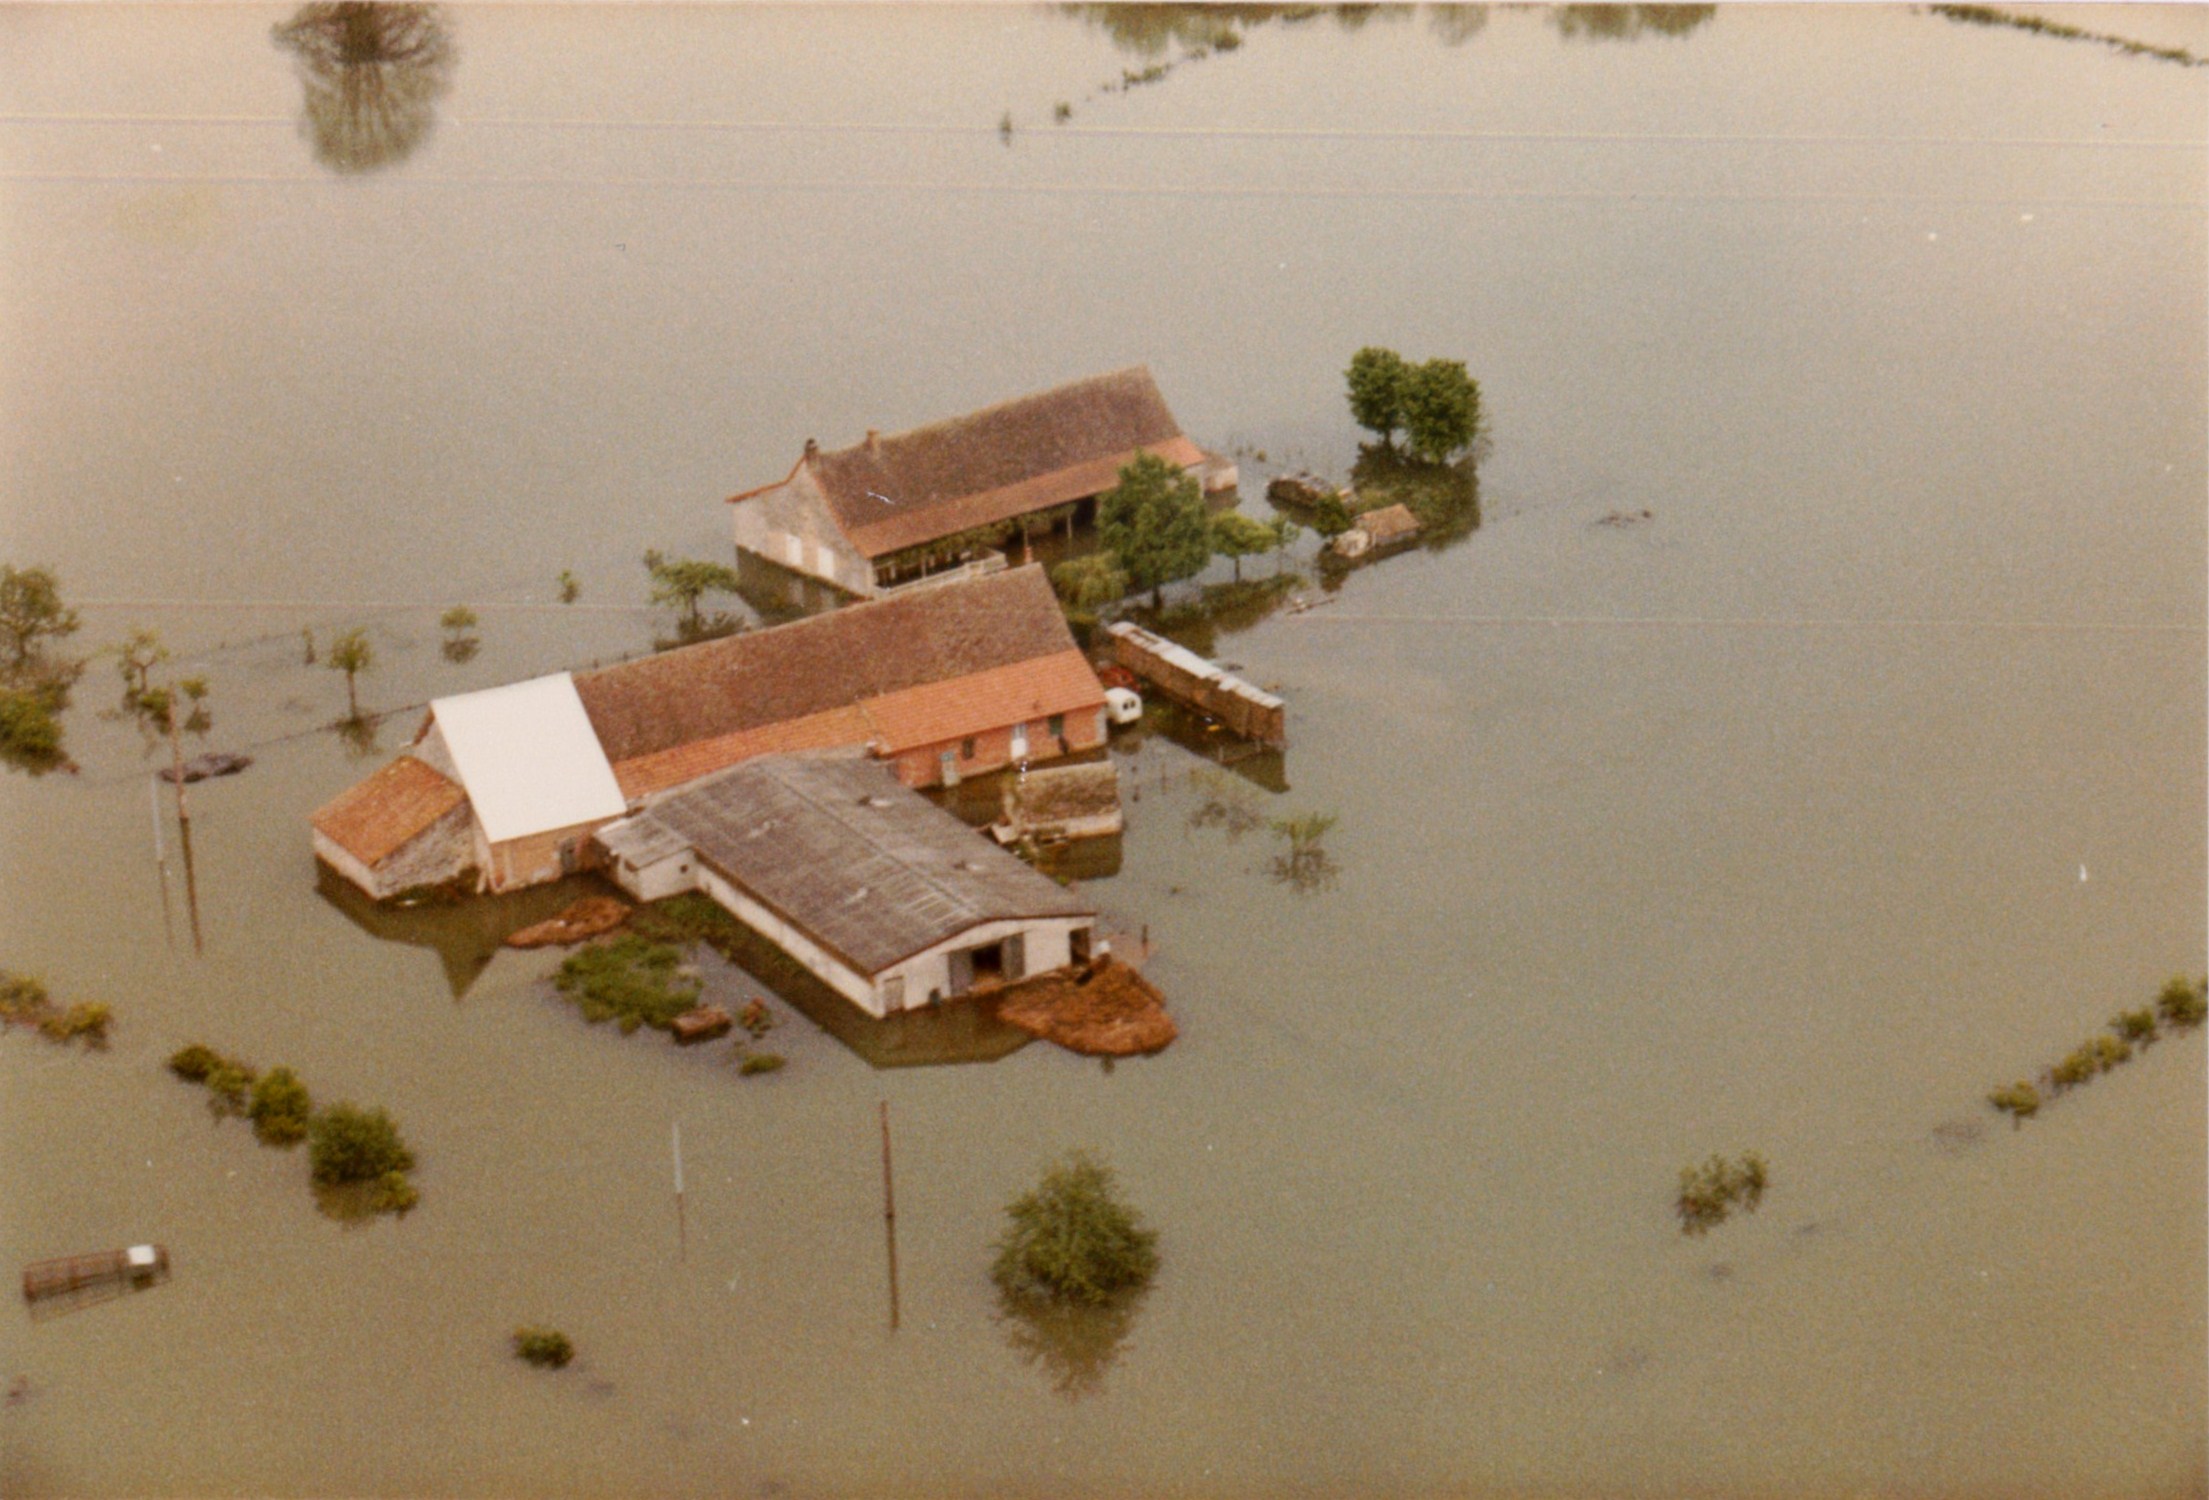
x=1862, y=774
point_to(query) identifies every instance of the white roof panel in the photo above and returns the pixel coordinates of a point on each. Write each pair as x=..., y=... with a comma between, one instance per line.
x=528, y=757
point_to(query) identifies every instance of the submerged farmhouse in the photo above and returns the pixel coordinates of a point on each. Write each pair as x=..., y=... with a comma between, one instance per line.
x=888, y=899
x=880, y=513
x=502, y=788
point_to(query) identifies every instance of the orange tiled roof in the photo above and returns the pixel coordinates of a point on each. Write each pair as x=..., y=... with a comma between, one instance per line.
x=891, y=492
x=1063, y=683
x=823, y=731
x=376, y=817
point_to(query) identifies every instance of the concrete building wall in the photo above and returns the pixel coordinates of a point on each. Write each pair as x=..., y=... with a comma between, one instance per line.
x=658, y=880
x=827, y=967
x=927, y=976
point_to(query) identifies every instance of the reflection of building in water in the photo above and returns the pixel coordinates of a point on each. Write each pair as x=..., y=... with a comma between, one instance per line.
x=373, y=75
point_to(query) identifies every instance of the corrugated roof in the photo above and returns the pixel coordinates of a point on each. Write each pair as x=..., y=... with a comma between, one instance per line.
x=868, y=868
x=831, y=661
x=528, y=757
x=1064, y=683
x=375, y=818
x=1003, y=461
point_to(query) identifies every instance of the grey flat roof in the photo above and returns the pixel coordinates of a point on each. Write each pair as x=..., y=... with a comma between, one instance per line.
x=641, y=841
x=866, y=866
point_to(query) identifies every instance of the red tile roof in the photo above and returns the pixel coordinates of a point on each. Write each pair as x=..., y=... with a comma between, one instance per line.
x=944, y=711
x=1003, y=461
x=930, y=634
x=1388, y=523
x=832, y=730
x=376, y=817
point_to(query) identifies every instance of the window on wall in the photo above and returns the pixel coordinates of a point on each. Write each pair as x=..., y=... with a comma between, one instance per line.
x=966, y=748
x=1058, y=726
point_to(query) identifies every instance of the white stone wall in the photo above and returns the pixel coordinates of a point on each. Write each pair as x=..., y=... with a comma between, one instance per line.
x=658, y=880
x=437, y=854
x=1048, y=941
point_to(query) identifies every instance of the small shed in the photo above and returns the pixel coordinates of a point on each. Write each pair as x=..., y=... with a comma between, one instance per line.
x=1389, y=524
x=885, y=897
x=1205, y=686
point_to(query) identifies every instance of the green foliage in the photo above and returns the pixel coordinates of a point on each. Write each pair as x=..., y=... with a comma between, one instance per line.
x=2136, y=1026
x=547, y=1348
x=1709, y=1192
x=1154, y=521
x=393, y=1193
x=1376, y=379
x=570, y=589
x=86, y=1021
x=680, y=583
x=1072, y=1240
x=632, y=981
x=1090, y=583
x=458, y=619
x=195, y=1063
x=2183, y=1003
x=1236, y=536
x=136, y=655
x=692, y=917
x=31, y=613
x=1331, y=516
x=2020, y=1100
x=349, y=1144
x=1305, y=865
x=280, y=1109
x=30, y=734
x=1441, y=409
x=760, y=1062
x=351, y=654
x=230, y=1082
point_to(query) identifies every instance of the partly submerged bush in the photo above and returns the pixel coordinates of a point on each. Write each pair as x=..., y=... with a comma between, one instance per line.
x=194, y=1063
x=2020, y=1100
x=349, y=1144
x=2134, y=1025
x=280, y=1109
x=632, y=981
x=2183, y=1003
x=1709, y=1192
x=86, y=1021
x=546, y=1348
x=1072, y=1239
x=760, y=1062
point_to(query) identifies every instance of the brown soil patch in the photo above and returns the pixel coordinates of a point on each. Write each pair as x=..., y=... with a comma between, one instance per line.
x=1101, y=1009
x=587, y=918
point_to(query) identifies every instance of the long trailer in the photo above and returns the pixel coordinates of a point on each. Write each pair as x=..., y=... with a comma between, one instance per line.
x=1189, y=679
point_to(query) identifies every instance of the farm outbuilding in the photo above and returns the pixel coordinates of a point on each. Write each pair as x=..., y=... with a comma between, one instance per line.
x=888, y=899
x=869, y=518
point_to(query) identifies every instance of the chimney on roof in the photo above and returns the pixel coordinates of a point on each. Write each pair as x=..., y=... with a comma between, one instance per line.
x=812, y=447
x=874, y=441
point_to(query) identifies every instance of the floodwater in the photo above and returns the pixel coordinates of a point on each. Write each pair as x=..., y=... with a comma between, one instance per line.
x=1867, y=772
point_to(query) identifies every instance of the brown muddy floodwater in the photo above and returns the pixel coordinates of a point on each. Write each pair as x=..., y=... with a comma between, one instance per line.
x=1865, y=773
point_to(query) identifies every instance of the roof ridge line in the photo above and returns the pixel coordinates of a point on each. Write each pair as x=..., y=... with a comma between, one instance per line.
x=982, y=411
x=837, y=813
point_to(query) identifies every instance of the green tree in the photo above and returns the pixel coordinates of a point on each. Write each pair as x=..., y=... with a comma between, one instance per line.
x=1376, y=378
x=1331, y=516
x=1072, y=1239
x=570, y=589
x=1236, y=536
x=137, y=654
x=681, y=583
x=458, y=620
x=351, y=654
x=349, y=1144
x=1154, y=522
x=31, y=613
x=281, y=1109
x=1441, y=409
x=1090, y=583
x=1285, y=534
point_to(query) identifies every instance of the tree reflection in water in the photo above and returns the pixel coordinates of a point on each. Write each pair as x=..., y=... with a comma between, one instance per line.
x=1625, y=22
x=1072, y=1344
x=373, y=75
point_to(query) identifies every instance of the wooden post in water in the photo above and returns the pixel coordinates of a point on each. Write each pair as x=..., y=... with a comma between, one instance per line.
x=889, y=1211
x=682, y=1231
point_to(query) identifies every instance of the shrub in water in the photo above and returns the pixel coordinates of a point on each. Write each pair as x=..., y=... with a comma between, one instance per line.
x=760, y=1062
x=230, y=1082
x=2183, y=1003
x=1709, y=1192
x=394, y=1193
x=193, y=1064
x=87, y=1019
x=2020, y=1100
x=2134, y=1025
x=547, y=1348
x=1072, y=1239
x=280, y=1109
x=355, y=1145
x=631, y=980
